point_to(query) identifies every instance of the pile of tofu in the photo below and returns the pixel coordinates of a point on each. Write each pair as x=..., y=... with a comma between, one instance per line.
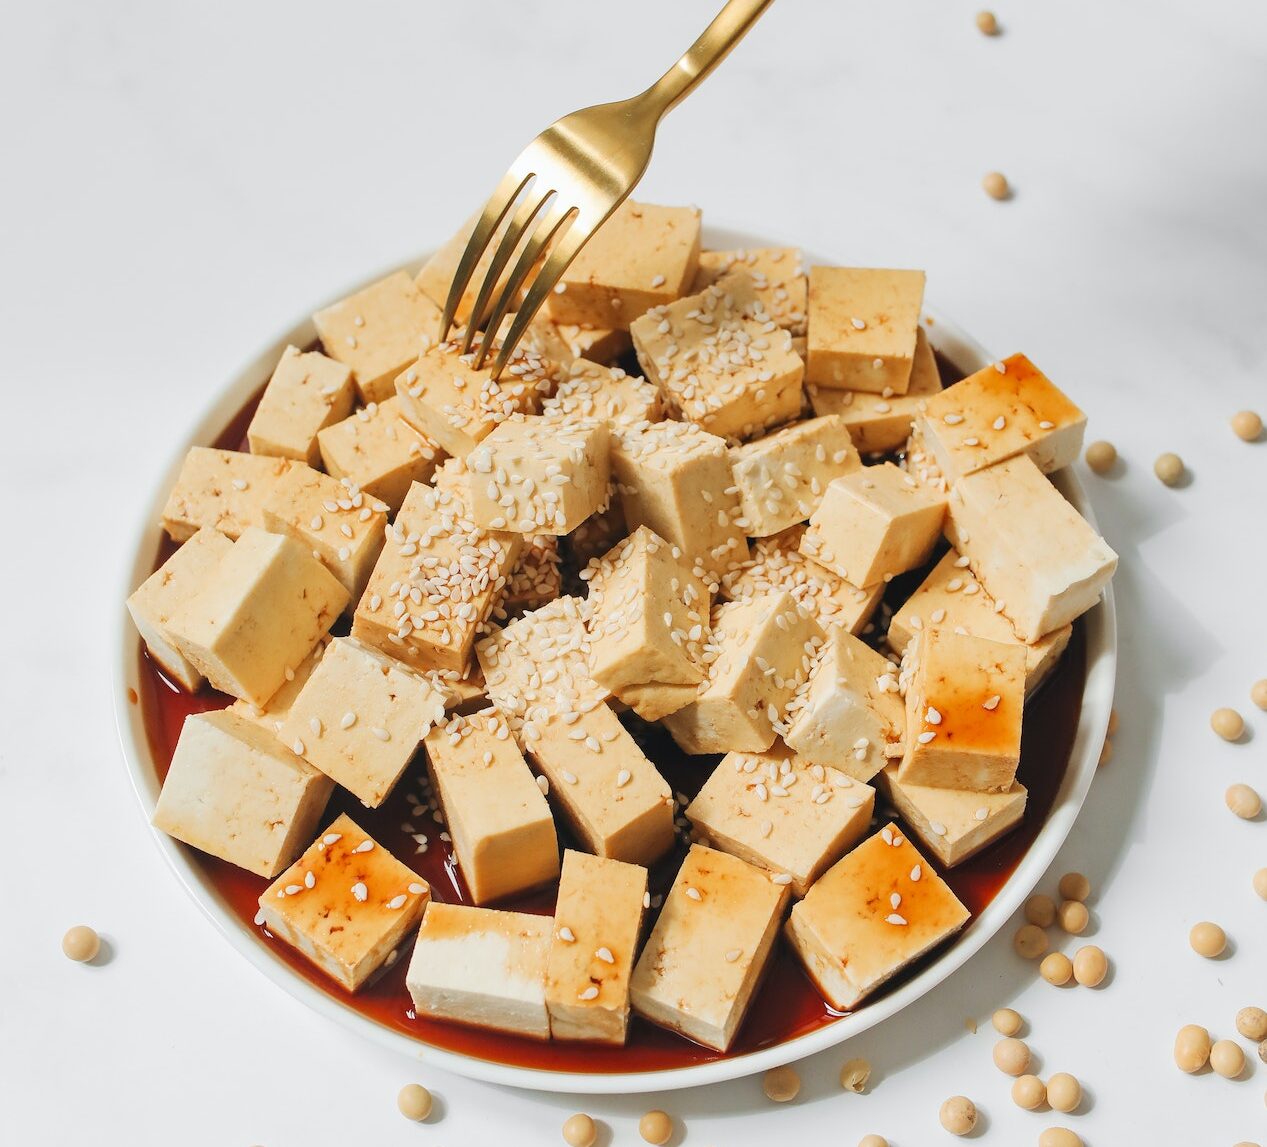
x=416, y=564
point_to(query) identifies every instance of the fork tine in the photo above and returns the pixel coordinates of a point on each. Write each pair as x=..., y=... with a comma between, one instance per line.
x=545, y=231
x=528, y=211
x=495, y=210
x=563, y=252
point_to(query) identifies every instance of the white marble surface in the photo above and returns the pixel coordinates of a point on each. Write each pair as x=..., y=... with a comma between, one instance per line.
x=182, y=180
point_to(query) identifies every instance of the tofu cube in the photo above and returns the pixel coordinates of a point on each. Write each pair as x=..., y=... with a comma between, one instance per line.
x=869, y=916
x=849, y=715
x=763, y=650
x=503, y=834
x=437, y=274
x=597, y=344
x=306, y=393
x=347, y=904
x=964, y=697
x=166, y=591
x=235, y=791
x=361, y=717
x=606, y=393
x=378, y=331
x=267, y=606
x=643, y=256
x=778, y=278
x=379, y=452
x=676, y=479
x=1036, y=555
x=997, y=414
x=706, y=955
x=777, y=563
x=611, y=796
x=220, y=490
x=538, y=667
x=952, y=598
x=270, y=716
x=874, y=524
x=539, y=475
x=483, y=968
x=779, y=812
x=861, y=328
x=881, y=423
x=333, y=519
x=448, y=401
x=721, y=362
x=597, y=926
x=436, y=582
x=782, y=478
x=648, y=620
x=955, y=824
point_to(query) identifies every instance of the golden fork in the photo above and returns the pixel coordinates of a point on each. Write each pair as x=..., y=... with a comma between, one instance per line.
x=567, y=182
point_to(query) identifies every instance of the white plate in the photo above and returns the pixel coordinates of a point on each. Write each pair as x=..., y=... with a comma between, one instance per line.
x=1101, y=653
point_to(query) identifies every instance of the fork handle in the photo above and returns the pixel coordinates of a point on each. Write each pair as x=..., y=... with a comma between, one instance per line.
x=714, y=44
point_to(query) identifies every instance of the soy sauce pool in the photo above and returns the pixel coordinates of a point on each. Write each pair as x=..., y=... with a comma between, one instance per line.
x=786, y=1006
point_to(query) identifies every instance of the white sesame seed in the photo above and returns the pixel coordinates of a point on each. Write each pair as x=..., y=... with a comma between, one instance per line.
x=605, y=954
x=926, y=736
x=381, y=733
x=991, y=703
x=916, y=873
x=894, y=918
x=693, y=893
x=360, y=892
x=567, y=935
x=590, y=993
x=364, y=846
x=733, y=955
x=397, y=901
x=937, y=827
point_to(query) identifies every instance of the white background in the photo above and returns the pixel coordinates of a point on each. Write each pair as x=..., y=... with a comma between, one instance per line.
x=178, y=182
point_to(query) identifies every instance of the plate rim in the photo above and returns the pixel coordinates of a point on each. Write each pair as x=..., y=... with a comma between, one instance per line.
x=1097, y=698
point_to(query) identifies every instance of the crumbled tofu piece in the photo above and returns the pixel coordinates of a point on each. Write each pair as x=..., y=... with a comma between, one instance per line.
x=869, y=916
x=706, y=955
x=538, y=667
x=436, y=582
x=333, y=519
x=610, y=794
x=648, y=624
x=862, y=324
x=268, y=604
x=379, y=452
x=166, y=591
x=780, y=812
x=361, y=717
x=1036, y=555
x=347, y=904
x=964, y=697
x=306, y=393
x=721, y=361
x=777, y=563
x=996, y=414
x=378, y=331
x=597, y=925
x=676, y=479
x=881, y=423
x=483, y=968
x=235, y=791
x=955, y=824
x=777, y=275
x=643, y=256
x=762, y=650
x=269, y=717
x=849, y=714
x=606, y=393
x=873, y=524
x=782, y=478
x=221, y=490
x=446, y=399
x=539, y=475
x=503, y=834
x=597, y=344
x=952, y=598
